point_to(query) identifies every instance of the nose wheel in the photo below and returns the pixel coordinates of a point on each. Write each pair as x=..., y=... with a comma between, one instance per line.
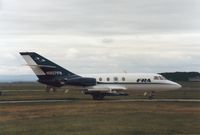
x=150, y=95
x=49, y=88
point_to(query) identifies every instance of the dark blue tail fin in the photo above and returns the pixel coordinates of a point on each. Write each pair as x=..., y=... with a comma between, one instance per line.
x=45, y=69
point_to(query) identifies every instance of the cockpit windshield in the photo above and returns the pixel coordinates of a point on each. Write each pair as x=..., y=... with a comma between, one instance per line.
x=159, y=77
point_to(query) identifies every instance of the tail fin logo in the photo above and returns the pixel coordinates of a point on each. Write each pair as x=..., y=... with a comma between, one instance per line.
x=39, y=59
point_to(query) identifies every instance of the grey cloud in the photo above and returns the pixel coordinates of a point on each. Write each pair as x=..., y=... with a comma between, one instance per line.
x=93, y=36
x=100, y=17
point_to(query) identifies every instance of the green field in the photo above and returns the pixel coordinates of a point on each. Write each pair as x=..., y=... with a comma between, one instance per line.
x=83, y=116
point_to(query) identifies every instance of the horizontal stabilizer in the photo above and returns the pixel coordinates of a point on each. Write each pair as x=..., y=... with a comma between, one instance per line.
x=45, y=66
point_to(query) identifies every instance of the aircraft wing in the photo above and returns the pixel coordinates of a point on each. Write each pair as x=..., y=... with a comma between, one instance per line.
x=107, y=88
x=117, y=88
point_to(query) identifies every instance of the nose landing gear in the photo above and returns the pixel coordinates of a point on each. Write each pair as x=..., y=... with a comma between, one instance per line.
x=150, y=95
x=49, y=88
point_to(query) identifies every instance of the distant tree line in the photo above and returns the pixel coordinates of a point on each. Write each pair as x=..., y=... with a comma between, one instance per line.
x=182, y=76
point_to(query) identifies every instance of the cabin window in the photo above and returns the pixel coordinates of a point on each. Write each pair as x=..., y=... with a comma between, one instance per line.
x=138, y=80
x=149, y=80
x=108, y=79
x=115, y=79
x=143, y=80
x=100, y=79
x=123, y=79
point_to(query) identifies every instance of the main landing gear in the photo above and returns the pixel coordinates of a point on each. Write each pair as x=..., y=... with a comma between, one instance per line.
x=98, y=96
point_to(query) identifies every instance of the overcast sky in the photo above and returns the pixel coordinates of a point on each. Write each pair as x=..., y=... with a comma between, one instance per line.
x=99, y=36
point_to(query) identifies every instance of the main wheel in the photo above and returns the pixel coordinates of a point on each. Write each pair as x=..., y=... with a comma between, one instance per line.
x=98, y=96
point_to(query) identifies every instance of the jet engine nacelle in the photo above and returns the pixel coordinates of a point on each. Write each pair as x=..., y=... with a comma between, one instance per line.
x=53, y=82
x=81, y=81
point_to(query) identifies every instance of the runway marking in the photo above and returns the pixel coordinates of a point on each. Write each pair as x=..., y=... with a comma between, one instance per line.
x=33, y=101
x=121, y=100
x=20, y=90
x=161, y=100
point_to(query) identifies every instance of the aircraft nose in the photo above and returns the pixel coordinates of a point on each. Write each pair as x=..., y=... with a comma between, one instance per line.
x=177, y=86
x=174, y=85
